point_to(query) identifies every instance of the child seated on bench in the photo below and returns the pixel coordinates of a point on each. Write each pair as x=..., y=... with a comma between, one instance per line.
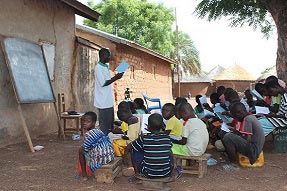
x=151, y=153
x=131, y=133
x=248, y=139
x=194, y=134
x=173, y=125
x=97, y=149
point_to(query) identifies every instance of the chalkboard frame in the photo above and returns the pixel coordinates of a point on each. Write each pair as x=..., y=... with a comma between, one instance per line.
x=18, y=96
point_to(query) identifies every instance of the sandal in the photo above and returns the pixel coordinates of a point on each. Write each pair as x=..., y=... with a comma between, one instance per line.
x=134, y=180
x=179, y=172
x=227, y=168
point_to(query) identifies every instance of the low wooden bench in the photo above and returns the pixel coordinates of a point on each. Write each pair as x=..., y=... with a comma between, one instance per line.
x=154, y=184
x=200, y=166
x=108, y=172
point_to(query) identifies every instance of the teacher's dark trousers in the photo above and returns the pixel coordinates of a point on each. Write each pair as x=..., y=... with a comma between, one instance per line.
x=106, y=119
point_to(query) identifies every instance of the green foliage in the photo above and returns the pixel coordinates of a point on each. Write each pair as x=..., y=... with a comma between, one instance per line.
x=145, y=23
x=188, y=54
x=240, y=12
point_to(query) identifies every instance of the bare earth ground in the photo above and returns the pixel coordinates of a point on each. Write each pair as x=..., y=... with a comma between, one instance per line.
x=54, y=168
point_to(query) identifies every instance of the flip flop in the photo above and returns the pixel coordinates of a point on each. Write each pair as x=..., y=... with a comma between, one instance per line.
x=227, y=168
x=134, y=180
x=179, y=172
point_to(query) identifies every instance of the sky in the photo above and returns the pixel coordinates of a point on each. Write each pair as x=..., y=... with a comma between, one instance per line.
x=220, y=44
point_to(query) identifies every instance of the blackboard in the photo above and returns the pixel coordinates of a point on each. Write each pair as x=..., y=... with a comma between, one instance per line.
x=280, y=140
x=28, y=69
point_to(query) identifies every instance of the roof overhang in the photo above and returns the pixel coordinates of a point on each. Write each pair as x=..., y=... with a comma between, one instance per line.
x=82, y=10
x=124, y=41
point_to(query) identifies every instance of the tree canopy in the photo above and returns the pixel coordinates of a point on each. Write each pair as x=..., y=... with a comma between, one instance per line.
x=188, y=54
x=147, y=24
x=242, y=12
x=253, y=13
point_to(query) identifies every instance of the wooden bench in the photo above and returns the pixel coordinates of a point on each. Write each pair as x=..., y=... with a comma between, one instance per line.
x=154, y=184
x=108, y=172
x=200, y=166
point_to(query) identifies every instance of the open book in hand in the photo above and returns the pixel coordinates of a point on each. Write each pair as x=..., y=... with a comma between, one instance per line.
x=262, y=110
x=122, y=67
x=256, y=94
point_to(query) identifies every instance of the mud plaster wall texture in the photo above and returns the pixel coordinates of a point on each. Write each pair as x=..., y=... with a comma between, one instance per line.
x=36, y=21
x=147, y=74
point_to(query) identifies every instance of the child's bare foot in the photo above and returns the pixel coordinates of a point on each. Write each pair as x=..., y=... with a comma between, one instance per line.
x=134, y=180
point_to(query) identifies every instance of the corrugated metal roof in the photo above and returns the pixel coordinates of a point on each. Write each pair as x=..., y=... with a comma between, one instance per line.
x=235, y=73
x=215, y=71
x=120, y=40
x=82, y=10
x=186, y=77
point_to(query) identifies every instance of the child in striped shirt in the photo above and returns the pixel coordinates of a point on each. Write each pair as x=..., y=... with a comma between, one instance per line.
x=151, y=153
x=97, y=149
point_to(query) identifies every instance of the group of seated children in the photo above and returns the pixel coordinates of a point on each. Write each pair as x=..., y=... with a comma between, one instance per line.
x=229, y=121
x=151, y=154
x=240, y=127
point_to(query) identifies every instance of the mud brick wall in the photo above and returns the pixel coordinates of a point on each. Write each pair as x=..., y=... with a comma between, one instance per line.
x=147, y=74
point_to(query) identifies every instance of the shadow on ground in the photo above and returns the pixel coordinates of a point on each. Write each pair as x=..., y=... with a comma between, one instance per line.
x=54, y=168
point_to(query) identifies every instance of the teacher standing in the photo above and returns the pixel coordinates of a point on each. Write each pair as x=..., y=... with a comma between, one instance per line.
x=103, y=97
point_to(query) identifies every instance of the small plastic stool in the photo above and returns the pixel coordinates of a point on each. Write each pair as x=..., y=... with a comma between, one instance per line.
x=244, y=160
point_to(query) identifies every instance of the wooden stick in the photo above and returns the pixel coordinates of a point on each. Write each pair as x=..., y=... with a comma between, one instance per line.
x=61, y=132
x=26, y=129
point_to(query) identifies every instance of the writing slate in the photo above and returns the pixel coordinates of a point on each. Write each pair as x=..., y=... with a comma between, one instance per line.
x=280, y=140
x=28, y=70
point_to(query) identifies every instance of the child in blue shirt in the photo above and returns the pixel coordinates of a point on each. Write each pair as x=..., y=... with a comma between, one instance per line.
x=97, y=149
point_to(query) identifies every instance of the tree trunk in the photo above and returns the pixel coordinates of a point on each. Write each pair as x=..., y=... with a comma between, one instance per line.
x=278, y=10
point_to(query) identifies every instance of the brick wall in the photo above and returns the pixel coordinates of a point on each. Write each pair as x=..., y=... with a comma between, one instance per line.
x=148, y=74
x=195, y=88
x=239, y=86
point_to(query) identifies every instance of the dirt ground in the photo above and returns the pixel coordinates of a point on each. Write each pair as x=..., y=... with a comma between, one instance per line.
x=54, y=168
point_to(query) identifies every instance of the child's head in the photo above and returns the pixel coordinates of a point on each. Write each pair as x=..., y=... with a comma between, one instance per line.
x=123, y=105
x=261, y=89
x=197, y=99
x=124, y=114
x=177, y=115
x=186, y=111
x=271, y=79
x=168, y=110
x=248, y=95
x=220, y=90
x=105, y=55
x=238, y=111
x=132, y=107
x=139, y=103
x=214, y=98
x=273, y=88
x=88, y=120
x=231, y=96
x=155, y=123
x=180, y=100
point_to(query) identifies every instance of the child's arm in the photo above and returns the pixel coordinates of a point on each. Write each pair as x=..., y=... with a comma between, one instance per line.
x=180, y=142
x=89, y=141
x=167, y=132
